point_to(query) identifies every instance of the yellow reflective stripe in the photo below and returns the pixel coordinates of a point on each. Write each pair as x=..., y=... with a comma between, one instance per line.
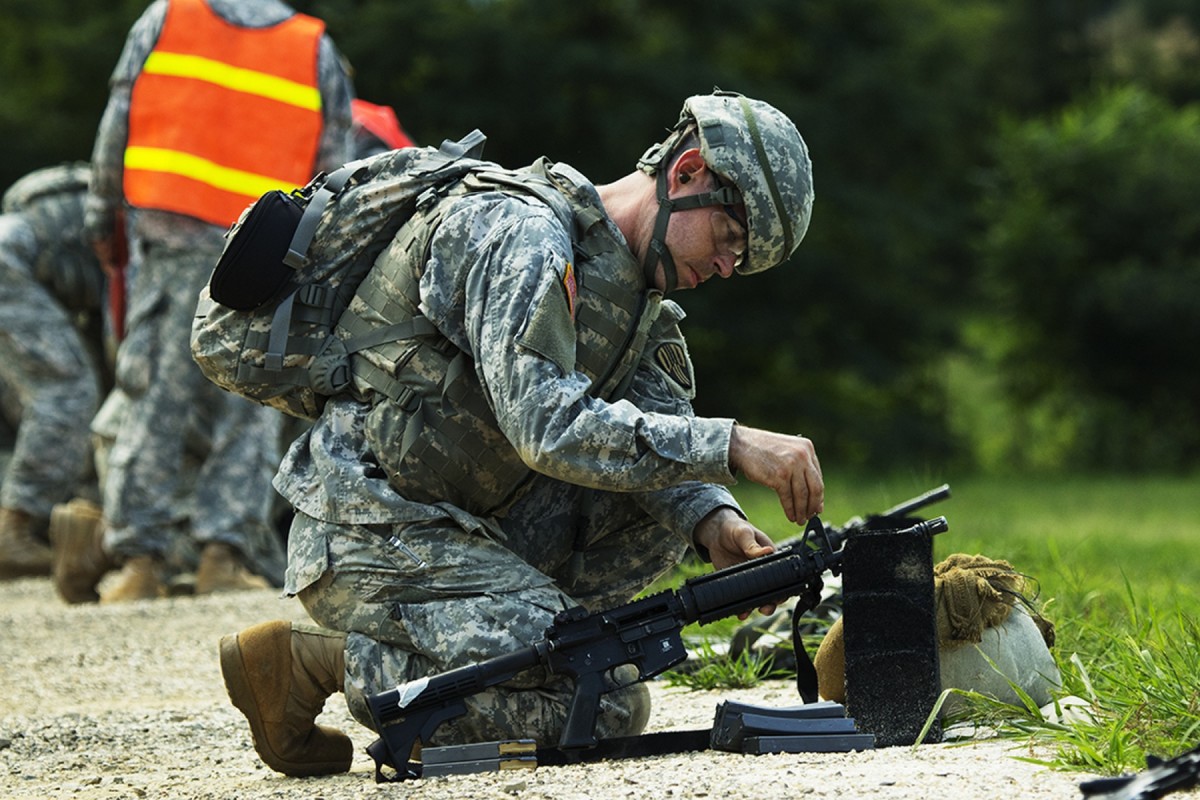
x=236, y=78
x=201, y=169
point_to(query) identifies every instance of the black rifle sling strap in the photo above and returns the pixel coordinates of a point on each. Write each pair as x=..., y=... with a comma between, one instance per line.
x=806, y=673
x=647, y=744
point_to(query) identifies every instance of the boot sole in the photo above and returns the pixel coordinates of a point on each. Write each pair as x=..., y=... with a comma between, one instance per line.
x=233, y=670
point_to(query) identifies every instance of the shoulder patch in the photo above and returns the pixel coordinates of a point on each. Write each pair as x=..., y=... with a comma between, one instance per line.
x=548, y=331
x=572, y=288
x=673, y=360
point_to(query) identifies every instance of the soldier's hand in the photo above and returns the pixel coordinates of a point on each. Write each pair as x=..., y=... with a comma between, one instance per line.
x=786, y=464
x=731, y=540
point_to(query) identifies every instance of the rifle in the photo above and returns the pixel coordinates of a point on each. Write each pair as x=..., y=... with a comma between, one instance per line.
x=1158, y=780
x=895, y=518
x=646, y=633
x=898, y=516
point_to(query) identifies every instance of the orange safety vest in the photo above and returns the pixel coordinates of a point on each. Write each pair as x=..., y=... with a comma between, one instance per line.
x=221, y=114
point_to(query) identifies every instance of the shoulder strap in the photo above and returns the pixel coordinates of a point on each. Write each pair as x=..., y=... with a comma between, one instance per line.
x=470, y=146
x=297, y=253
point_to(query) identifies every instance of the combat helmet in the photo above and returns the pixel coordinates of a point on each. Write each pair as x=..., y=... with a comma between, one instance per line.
x=756, y=148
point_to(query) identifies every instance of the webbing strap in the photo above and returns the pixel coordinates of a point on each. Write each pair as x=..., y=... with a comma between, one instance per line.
x=806, y=671
x=469, y=146
x=599, y=284
x=409, y=329
x=297, y=252
x=622, y=354
x=382, y=381
x=454, y=387
x=605, y=326
x=287, y=376
x=647, y=744
x=634, y=351
x=657, y=251
x=277, y=343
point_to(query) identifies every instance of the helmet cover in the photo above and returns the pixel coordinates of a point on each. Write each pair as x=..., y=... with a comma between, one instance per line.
x=754, y=146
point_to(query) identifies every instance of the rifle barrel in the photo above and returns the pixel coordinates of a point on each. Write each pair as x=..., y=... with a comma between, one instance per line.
x=917, y=503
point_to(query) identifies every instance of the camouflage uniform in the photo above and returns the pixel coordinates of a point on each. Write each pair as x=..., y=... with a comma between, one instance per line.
x=50, y=339
x=424, y=587
x=173, y=256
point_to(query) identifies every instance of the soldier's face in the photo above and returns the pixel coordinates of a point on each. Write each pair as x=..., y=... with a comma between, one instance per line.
x=704, y=242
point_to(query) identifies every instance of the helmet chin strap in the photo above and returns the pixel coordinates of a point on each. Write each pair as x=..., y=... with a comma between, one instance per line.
x=657, y=252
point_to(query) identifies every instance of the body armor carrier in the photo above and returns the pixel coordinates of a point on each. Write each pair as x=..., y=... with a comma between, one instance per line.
x=431, y=428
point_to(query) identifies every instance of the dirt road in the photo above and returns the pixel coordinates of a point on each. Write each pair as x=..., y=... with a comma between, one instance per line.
x=126, y=701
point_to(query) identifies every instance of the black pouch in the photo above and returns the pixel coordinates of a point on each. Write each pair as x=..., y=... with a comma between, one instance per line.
x=251, y=271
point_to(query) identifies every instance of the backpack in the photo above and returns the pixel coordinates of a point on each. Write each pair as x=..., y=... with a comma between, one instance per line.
x=265, y=323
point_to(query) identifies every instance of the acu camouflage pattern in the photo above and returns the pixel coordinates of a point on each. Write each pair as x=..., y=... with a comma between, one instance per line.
x=426, y=597
x=757, y=148
x=51, y=201
x=51, y=350
x=146, y=472
x=354, y=227
x=426, y=586
x=649, y=442
x=431, y=427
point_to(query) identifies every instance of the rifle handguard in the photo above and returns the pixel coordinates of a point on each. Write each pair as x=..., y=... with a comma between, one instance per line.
x=769, y=579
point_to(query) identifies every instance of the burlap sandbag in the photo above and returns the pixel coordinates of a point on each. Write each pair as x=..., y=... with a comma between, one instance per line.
x=974, y=596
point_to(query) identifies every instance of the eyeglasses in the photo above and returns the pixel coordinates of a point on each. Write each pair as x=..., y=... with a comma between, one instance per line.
x=729, y=235
x=729, y=231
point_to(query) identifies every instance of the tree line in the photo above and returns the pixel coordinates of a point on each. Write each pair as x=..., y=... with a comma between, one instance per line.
x=1002, y=263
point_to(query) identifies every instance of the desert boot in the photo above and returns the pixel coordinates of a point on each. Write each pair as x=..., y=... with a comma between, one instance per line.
x=140, y=578
x=76, y=532
x=22, y=551
x=221, y=570
x=279, y=675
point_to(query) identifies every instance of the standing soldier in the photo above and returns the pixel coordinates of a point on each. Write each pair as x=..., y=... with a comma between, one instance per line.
x=213, y=102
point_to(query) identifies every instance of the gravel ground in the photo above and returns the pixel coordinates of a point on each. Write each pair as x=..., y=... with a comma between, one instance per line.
x=127, y=702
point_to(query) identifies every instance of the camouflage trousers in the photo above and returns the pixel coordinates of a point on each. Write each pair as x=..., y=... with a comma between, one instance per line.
x=420, y=598
x=49, y=388
x=231, y=490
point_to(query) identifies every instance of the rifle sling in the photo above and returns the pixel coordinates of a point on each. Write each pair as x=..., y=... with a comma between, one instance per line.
x=647, y=744
x=806, y=672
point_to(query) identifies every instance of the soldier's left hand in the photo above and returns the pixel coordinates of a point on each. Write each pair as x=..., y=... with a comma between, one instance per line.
x=731, y=540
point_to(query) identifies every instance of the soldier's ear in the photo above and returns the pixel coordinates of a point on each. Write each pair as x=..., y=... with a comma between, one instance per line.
x=689, y=166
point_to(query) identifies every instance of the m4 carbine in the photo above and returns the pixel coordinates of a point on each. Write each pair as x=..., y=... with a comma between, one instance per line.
x=646, y=633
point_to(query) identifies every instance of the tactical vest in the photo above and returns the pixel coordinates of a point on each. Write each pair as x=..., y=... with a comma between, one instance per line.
x=431, y=428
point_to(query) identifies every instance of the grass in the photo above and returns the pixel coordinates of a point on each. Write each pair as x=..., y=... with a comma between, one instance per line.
x=1117, y=562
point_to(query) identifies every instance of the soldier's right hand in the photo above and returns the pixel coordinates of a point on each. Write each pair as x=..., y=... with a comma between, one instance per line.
x=786, y=464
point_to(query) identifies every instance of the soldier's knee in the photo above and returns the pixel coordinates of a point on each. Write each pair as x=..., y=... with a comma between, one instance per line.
x=625, y=711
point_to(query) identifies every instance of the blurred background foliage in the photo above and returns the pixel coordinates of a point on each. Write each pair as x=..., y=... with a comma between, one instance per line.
x=1002, y=270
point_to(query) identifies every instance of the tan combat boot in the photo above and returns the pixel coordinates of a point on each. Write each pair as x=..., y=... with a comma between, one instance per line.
x=280, y=677
x=22, y=552
x=76, y=531
x=221, y=570
x=141, y=578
